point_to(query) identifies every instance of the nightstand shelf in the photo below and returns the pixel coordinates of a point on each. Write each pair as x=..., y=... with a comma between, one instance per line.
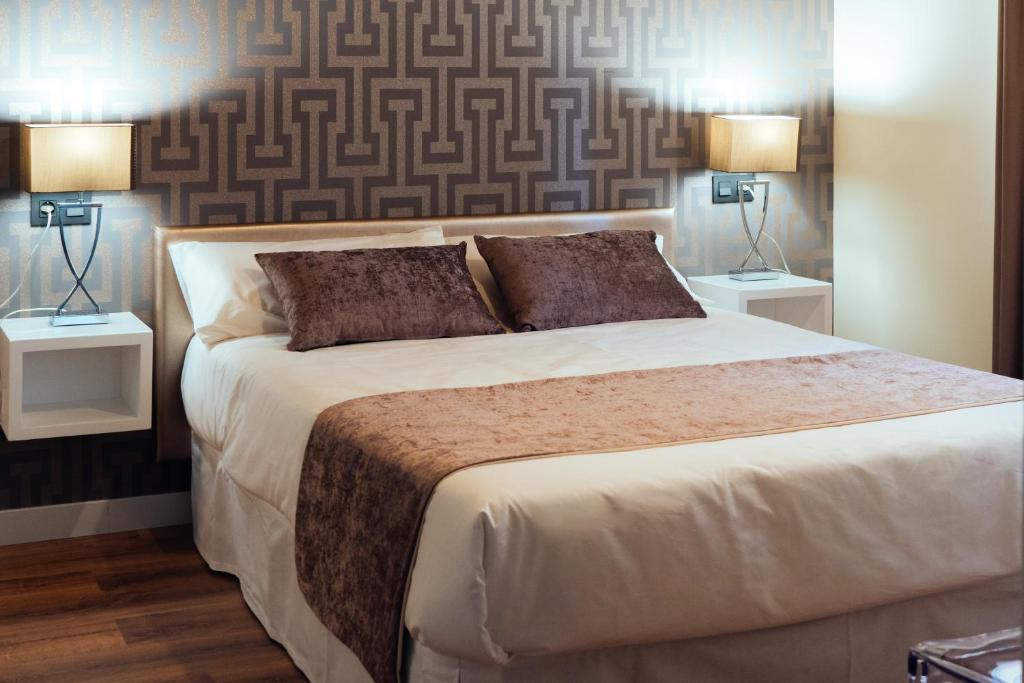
x=64, y=381
x=790, y=299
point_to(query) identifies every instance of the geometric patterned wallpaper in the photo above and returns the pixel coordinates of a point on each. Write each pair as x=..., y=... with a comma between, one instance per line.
x=269, y=110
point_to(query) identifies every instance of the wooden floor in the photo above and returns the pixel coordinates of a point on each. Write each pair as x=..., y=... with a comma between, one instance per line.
x=135, y=606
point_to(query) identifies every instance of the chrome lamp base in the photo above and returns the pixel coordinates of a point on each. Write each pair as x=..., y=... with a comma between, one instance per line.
x=752, y=274
x=763, y=271
x=96, y=316
x=83, y=318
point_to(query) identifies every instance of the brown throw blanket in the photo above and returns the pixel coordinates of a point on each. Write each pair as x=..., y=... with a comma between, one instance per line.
x=372, y=463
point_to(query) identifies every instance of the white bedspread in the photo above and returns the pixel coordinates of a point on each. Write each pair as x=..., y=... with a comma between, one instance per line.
x=580, y=552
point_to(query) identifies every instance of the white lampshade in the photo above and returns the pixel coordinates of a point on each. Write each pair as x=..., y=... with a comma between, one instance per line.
x=80, y=157
x=751, y=143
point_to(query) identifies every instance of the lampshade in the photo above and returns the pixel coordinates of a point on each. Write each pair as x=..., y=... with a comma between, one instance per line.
x=76, y=157
x=749, y=143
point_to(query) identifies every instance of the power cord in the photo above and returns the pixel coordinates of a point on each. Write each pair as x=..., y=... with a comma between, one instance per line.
x=48, y=209
x=781, y=255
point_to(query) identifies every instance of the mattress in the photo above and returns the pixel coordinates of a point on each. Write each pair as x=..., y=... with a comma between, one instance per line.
x=566, y=554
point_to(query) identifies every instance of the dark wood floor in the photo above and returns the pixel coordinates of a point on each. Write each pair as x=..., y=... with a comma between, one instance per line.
x=135, y=606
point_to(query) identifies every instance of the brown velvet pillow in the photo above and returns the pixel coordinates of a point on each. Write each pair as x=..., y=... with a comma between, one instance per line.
x=333, y=297
x=595, y=277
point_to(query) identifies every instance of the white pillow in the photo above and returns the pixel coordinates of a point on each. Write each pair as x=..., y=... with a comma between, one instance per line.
x=229, y=296
x=491, y=295
x=703, y=301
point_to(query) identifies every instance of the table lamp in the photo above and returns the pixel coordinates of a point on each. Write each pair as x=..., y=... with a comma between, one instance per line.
x=748, y=144
x=58, y=159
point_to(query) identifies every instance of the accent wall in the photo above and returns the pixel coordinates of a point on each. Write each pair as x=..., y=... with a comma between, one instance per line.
x=256, y=111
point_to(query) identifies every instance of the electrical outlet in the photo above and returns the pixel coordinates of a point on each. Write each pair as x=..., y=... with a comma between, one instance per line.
x=71, y=215
x=725, y=188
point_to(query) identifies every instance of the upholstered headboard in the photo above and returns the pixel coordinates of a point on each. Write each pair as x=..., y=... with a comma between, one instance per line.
x=173, y=326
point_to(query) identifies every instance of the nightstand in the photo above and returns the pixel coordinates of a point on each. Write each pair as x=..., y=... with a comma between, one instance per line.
x=790, y=299
x=83, y=379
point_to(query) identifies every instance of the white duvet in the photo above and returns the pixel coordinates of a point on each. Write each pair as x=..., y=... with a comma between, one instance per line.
x=588, y=551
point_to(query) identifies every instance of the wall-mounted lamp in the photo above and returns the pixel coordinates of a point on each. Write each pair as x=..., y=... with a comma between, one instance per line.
x=742, y=145
x=59, y=164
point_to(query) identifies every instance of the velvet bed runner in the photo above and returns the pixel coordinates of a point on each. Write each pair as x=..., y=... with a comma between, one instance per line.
x=372, y=463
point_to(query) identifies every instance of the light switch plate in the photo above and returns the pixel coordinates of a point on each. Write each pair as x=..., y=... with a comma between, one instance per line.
x=38, y=218
x=730, y=182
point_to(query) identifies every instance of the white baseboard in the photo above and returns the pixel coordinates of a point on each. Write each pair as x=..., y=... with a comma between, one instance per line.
x=25, y=525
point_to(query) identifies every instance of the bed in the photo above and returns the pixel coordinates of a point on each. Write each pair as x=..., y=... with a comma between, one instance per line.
x=812, y=555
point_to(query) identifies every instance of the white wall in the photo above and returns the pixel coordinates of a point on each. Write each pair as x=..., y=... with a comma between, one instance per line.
x=915, y=96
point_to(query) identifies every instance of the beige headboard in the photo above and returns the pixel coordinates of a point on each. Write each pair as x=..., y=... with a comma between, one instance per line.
x=174, y=326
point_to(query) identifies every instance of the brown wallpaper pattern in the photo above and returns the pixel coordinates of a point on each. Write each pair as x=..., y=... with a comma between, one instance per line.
x=267, y=110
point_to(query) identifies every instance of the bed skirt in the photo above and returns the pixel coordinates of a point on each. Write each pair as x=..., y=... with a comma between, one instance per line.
x=240, y=534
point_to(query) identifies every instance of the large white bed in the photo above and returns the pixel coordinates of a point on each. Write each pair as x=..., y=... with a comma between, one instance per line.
x=641, y=547
x=815, y=555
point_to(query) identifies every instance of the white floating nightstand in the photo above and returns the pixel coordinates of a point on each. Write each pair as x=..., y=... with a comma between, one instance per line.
x=65, y=381
x=790, y=299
